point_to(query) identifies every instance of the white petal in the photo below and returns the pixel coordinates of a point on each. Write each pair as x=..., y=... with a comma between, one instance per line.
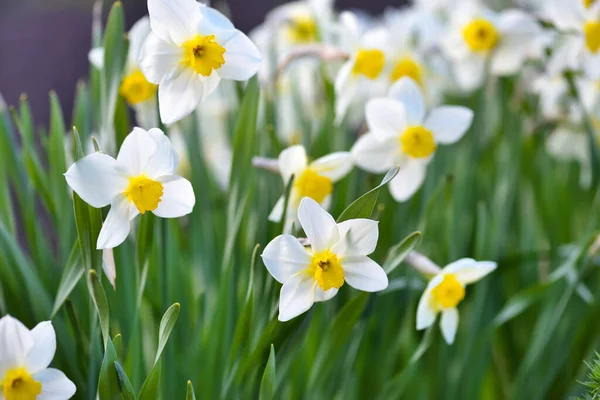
x=158, y=58
x=44, y=346
x=409, y=180
x=108, y=261
x=470, y=72
x=297, y=296
x=95, y=179
x=449, y=123
x=324, y=296
x=334, y=166
x=386, y=117
x=174, y=20
x=116, y=226
x=407, y=92
x=345, y=90
x=515, y=22
x=468, y=270
x=292, y=161
x=165, y=159
x=362, y=273
x=425, y=313
x=180, y=94
x=178, y=197
x=15, y=343
x=55, y=385
x=242, y=58
x=567, y=15
x=146, y=113
x=508, y=58
x=137, y=36
x=135, y=153
x=448, y=324
x=319, y=226
x=277, y=212
x=357, y=237
x=284, y=257
x=96, y=57
x=375, y=155
x=213, y=20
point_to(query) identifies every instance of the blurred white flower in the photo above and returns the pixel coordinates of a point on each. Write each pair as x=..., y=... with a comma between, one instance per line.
x=402, y=132
x=140, y=179
x=24, y=359
x=363, y=74
x=190, y=49
x=338, y=253
x=478, y=36
x=311, y=179
x=446, y=290
x=580, y=47
x=137, y=91
x=553, y=92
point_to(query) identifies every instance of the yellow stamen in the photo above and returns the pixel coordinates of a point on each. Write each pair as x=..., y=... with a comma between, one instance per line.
x=311, y=184
x=302, y=30
x=448, y=293
x=407, y=67
x=203, y=54
x=327, y=270
x=588, y=3
x=592, y=36
x=18, y=384
x=144, y=193
x=136, y=88
x=481, y=35
x=369, y=63
x=417, y=142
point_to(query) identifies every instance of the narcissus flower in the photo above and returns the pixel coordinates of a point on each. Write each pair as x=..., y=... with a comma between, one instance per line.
x=402, y=132
x=580, y=21
x=24, y=359
x=141, y=179
x=135, y=88
x=446, y=290
x=190, y=49
x=337, y=254
x=311, y=179
x=478, y=36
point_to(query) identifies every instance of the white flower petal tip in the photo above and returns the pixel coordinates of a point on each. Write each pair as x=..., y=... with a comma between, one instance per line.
x=184, y=75
x=449, y=123
x=449, y=324
x=297, y=296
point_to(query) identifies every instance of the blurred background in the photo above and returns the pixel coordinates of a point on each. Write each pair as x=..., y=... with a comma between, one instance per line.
x=44, y=43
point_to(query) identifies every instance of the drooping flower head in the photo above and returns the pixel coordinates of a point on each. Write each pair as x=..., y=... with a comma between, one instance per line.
x=403, y=132
x=141, y=179
x=337, y=254
x=190, y=49
x=311, y=179
x=24, y=359
x=446, y=290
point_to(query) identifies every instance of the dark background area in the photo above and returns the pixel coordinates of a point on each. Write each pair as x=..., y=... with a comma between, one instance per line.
x=44, y=43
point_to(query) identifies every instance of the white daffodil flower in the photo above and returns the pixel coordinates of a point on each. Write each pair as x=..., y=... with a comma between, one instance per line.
x=446, y=290
x=141, y=179
x=402, y=132
x=311, y=179
x=190, y=49
x=137, y=91
x=553, y=92
x=580, y=48
x=337, y=254
x=363, y=74
x=478, y=36
x=24, y=359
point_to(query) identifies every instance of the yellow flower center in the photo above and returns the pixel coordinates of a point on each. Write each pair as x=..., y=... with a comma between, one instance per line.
x=203, y=54
x=417, y=142
x=302, y=30
x=588, y=3
x=448, y=293
x=481, y=35
x=310, y=184
x=369, y=63
x=136, y=88
x=144, y=193
x=592, y=36
x=327, y=270
x=407, y=67
x=19, y=385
